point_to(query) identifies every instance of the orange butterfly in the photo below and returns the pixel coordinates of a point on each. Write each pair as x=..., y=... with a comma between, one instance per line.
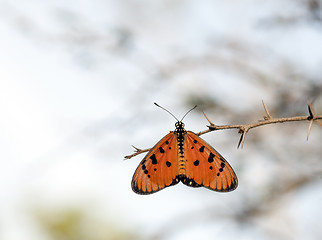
x=183, y=156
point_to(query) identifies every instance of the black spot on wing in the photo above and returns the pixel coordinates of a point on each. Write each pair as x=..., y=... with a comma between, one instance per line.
x=202, y=149
x=168, y=164
x=211, y=157
x=161, y=150
x=153, y=158
x=196, y=163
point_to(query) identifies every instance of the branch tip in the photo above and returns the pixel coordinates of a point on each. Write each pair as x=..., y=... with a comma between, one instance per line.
x=136, y=152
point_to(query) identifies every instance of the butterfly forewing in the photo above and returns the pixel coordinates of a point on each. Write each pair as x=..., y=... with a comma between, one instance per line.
x=158, y=169
x=206, y=167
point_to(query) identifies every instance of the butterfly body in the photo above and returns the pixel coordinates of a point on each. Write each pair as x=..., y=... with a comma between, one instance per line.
x=182, y=156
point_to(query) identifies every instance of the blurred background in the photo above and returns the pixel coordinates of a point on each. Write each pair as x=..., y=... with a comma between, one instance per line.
x=77, y=84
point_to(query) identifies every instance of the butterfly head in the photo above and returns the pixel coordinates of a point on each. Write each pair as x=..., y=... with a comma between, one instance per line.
x=180, y=127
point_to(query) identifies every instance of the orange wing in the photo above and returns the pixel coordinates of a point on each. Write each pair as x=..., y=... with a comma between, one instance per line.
x=159, y=167
x=206, y=167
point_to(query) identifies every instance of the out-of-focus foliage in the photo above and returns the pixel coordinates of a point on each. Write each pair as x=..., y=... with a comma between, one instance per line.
x=77, y=223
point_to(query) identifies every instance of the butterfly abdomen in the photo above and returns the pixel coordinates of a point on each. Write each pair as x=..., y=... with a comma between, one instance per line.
x=180, y=133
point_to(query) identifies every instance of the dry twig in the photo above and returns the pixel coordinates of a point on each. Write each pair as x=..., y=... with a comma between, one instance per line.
x=137, y=152
x=244, y=128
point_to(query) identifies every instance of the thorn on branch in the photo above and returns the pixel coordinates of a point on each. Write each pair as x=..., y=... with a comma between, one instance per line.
x=211, y=127
x=243, y=132
x=268, y=115
x=309, y=130
x=136, y=149
x=136, y=152
x=240, y=140
x=211, y=123
x=311, y=116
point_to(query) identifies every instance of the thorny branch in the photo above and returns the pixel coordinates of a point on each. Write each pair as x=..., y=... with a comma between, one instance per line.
x=243, y=129
x=137, y=152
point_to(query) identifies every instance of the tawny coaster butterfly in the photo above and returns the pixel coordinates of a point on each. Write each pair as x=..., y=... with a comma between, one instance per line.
x=183, y=156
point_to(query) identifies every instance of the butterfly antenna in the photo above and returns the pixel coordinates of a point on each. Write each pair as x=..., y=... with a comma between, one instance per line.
x=167, y=111
x=188, y=112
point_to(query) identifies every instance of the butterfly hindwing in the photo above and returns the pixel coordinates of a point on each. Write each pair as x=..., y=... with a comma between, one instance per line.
x=158, y=169
x=206, y=167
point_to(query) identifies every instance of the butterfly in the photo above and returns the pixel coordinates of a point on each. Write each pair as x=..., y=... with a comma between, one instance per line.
x=182, y=156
